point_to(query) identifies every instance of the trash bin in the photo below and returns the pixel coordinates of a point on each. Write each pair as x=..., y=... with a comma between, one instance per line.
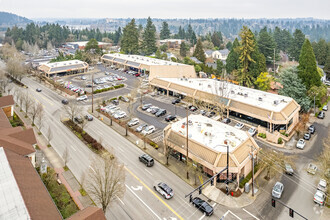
x=247, y=187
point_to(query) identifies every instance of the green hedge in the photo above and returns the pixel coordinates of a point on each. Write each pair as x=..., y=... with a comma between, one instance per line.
x=280, y=141
x=107, y=89
x=248, y=177
x=262, y=135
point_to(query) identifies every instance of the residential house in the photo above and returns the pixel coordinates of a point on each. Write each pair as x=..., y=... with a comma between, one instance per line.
x=220, y=54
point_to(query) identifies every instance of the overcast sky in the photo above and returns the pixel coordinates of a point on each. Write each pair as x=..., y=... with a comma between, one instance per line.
x=168, y=8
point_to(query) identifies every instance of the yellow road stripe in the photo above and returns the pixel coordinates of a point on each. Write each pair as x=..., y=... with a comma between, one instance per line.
x=160, y=199
x=47, y=100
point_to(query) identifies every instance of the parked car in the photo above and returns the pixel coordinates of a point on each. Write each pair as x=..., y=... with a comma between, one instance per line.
x=210, y=114
x=164, y=190
x=203, y=206
x=146, y=106
x=148, y=130
x=160, y=112
x=322, y=186
x=319, y=197
x=112, y=110
x=321, y=115
x=325, y=108
x=176, y=101
x=288, y=169
x=252, y=131
x=278, y=190
x=154, y=110
x=124, y=99
x=226, y=120
x=170, y=118
x=147, y=160
x=192, y=108
x=38, y=90
x=311, y=129
x=133, y=121
x=307, y=136
x=65, y=101
x=141, y=127
x=89, y=117
x=83, y=78
x=301, y=144
x=78, y=119
x=115, y=102
x=82, y=98
x=203, y=112
x=239, y=125
x=120, y=114
x=312, y=168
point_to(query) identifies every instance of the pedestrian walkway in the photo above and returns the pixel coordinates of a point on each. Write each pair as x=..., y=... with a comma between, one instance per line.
x=66, y=177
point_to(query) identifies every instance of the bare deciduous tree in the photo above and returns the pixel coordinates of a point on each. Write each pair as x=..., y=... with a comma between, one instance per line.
x=39, y=118
x=4, y=81
x=20, y=98
x=66, y=156
x=106, y=180
x=72, y=110
x=27, y=103
x=36, y=109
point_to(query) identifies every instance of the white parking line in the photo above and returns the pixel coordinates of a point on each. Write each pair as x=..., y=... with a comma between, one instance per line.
x=214, y=205
x=73, y=148
x=250, y=214
x=202, y=217
x=230, y=213
x=148, y=172
x=120, y=200
x=142, y=202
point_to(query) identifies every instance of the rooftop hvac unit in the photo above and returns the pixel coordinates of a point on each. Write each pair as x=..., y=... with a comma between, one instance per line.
x=190, y=81
x=275, y=102
x=245, y=95
x=200, y=84
x=186, y=79
x=232, y=92
x=260, y=99
x=209, y=86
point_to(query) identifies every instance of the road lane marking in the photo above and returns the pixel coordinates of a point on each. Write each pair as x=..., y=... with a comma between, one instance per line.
x=250, y=214
x=148, y=172
x=73, y=148
x=137, y=188
x=143, y=202
x=202, y=217
x=47, y=100
x=120, y=200
x=169, y=207
x=213, y=205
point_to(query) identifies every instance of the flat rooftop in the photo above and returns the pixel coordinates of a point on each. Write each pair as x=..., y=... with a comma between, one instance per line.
x=258, y=98
x=83, y=43
x=211, y=133
x=122, y=58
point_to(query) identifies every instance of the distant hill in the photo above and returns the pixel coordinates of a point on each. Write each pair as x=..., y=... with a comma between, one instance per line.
x=9, y=19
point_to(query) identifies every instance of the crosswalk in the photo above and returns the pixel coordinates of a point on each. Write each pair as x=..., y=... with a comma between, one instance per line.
x=157, y=136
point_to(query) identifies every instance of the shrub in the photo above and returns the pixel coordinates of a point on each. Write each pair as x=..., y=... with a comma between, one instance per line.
x=262, y=135
x=248, y=177
x=280, y=141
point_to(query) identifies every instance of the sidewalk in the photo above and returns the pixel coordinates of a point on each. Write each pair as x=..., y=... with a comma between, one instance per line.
x=179, y=168
x=66, y=177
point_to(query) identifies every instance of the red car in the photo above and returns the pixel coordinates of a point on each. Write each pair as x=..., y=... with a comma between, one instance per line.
x=138, y=74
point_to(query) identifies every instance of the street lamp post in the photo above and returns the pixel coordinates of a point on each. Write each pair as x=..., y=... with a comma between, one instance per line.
x=227, y=181
x=93, y=92
x=187, y=145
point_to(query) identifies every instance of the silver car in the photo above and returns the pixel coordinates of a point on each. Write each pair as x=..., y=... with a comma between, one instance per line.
x=278, y=190
x=319, y=197
x=164, y=190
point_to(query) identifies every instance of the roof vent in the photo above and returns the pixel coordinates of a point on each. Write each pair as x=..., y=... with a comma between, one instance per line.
x=209, y=86
x=190, y=81
x=232, y=92
x=200, y=84
x=260, y=99
x=276, y=102
x=245, y=95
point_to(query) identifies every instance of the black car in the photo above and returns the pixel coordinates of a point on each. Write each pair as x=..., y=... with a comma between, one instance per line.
x=203, y=112
x=210, y=114
x=203, y=206
x=226, y=120
x=321, y=115
x=311, y=129
x=38, y=90
x=175, y=101
x=307, y=136
x=78, y=119
x=115, y=102
x=65, y=101
x=147, y=160
x=160, y=112
x=154, y=111
x=146, y=106
x=170, y=118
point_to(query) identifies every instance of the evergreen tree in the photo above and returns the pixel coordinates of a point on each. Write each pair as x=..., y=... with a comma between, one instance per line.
x=321, y=51
x=307, y=69
x=297, y=42
x=193, y=38
x=277, y=35
x=263, y=81
x=245, y=50
x=149, y=38
x=327, y=67
x=232, y=62
x=165, y=32
x=130, y=38
x=216, y=40
x=92, y=46
x=229, y=45
x=199, y=51
x=158, y=54
x=181, y=33
x=189, y=33
x=294, y=88
x=266, y=45
x=220, y=67
x=183, y=49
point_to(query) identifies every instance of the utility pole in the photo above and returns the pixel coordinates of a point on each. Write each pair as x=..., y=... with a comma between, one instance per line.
x=227, y=181
x=274, y=63
x=93, y=92
x=187, y=144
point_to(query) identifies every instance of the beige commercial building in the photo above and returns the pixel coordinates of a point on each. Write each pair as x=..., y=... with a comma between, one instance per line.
x=151, y=66
x=270, y=111
x=63, y=68
x=207, y=145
